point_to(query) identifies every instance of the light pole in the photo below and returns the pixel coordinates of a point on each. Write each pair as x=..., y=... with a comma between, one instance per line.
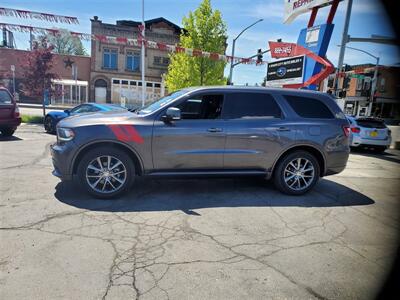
x=374, y=79
x=345, y=40
x=143, y=57
x=233, y=49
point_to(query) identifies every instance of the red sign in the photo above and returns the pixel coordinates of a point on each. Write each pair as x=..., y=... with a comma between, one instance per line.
x=279, y=50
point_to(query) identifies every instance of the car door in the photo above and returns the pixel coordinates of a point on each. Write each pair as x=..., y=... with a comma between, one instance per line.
x=196, y=141
x=256, y=130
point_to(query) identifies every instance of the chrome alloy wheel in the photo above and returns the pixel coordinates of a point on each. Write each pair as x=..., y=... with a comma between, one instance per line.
x=106, y=174
x=299, y=174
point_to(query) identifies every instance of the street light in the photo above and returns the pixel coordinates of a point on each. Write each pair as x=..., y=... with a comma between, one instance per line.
x=233, y=48
x=374, y=79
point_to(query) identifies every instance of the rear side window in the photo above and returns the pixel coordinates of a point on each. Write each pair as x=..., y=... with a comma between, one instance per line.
x=309, y=107
x=4, y=97
x=251, y=105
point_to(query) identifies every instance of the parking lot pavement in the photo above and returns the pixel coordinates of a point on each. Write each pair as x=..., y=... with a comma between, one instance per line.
x=194, y=239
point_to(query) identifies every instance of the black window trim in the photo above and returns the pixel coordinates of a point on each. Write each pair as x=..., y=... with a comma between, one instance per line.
x=273, y=95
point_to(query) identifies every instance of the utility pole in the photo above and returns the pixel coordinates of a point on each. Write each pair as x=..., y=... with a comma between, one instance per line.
x=233, y=49
x=345, y=40
x=143, y=57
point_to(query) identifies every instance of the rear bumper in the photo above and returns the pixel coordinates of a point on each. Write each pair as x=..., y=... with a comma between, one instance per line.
x=357, y=141
x=10, y=123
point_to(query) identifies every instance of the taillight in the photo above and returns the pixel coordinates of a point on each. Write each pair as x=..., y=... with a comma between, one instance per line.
x=346, y=130
x=355, y=129
x=16, y=112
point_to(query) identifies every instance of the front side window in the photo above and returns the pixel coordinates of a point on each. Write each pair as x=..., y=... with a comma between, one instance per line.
x=110, y=57
x=309, y=108
x=132, y=61
x=252, y=105
x=202, y=107
x=5, y=97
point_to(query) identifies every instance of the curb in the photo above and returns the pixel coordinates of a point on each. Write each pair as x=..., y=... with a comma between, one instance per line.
x=39, y=106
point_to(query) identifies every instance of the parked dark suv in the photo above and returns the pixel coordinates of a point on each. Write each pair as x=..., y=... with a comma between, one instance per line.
x=292, y=136
x=10, y=118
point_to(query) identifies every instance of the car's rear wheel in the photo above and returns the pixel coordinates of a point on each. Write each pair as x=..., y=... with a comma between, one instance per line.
x=7, y=132
x=106, y=172
x=296, y=173
x=49, y=125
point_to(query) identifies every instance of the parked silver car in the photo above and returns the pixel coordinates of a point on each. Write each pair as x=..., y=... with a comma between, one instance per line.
x=292, y=136
x=369, y=133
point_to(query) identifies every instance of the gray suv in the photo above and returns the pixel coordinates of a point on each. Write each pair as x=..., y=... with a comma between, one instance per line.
x=292, y=136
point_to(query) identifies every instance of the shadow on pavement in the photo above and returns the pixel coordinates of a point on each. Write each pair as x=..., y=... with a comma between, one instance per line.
x=384, y=156
x=9, y=138
x=187, y=195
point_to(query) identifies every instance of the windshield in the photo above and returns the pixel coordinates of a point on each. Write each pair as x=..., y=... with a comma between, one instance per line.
x=161, y=102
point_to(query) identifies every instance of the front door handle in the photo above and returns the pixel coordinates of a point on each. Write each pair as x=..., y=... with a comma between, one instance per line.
x=283, y=129
x=213, y=129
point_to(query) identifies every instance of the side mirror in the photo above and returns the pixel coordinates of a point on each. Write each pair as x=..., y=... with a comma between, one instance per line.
x=172, y=114
x=67, y=111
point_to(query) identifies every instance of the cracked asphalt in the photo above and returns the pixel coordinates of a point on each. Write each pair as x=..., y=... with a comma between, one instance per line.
x=194, y=239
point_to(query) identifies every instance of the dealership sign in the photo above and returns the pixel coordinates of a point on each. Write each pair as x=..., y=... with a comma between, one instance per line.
x=294, y=8
x=280, y=50
x=285, y=71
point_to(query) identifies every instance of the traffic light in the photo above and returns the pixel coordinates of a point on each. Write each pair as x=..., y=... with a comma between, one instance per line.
x=259, y=56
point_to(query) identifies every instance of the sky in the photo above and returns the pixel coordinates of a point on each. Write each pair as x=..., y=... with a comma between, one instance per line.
x=368, y=17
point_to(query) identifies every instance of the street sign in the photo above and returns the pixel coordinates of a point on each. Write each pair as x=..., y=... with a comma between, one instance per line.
x=285, y=71
x=12, y=68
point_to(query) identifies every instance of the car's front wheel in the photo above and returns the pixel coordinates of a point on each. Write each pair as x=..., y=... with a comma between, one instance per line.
x=296, y=173
x=106, y=172
x=49, y=125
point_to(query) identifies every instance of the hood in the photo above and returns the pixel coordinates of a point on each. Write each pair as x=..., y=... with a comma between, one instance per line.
x=98, y=118
x=58, y=114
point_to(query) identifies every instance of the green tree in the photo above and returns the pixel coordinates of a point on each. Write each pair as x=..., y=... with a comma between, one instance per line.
x=65, y=43
x=205, y=30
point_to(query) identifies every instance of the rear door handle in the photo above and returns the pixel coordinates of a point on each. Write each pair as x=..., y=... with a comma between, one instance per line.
x=283, y=129
x=214, y=129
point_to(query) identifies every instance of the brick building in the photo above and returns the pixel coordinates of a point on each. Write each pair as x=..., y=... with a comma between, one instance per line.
x=71, y=91
x=116, y=69
x=354, y=91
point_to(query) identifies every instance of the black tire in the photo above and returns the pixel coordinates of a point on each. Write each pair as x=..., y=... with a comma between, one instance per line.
x=49, y=125
x=280, y=173
x=115, y=153
x=7, y=132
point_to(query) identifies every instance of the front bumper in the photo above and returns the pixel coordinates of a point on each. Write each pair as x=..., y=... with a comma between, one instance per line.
x=359, y=141
x=62, y=155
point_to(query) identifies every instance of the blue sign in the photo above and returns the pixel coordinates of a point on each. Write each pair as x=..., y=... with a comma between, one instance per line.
x=46, y=97
x=315, y=39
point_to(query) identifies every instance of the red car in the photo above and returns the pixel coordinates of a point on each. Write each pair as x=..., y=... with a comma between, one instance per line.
x=9, y=113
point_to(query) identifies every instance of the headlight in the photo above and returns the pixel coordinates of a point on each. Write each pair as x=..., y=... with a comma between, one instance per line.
x=65, y=134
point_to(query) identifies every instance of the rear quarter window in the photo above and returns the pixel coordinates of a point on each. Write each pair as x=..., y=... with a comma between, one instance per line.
x=5, y=97
x=309, y=107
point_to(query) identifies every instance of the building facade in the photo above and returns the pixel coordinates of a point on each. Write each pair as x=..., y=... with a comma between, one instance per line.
x=71, y=90
x=115, y=75
x=354, y=91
